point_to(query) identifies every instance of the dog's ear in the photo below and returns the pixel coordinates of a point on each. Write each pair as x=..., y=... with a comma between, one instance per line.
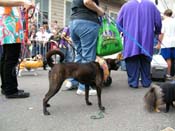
x=120, y=56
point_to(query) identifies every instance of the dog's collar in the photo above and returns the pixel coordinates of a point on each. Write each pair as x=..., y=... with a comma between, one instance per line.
x=104, y=66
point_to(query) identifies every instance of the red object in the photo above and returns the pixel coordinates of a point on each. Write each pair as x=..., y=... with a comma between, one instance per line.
x=27, y=17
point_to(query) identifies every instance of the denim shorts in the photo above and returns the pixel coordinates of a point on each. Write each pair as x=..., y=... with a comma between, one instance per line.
x=168, y=53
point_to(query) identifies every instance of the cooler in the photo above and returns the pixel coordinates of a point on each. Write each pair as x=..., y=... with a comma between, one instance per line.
x=158, y=67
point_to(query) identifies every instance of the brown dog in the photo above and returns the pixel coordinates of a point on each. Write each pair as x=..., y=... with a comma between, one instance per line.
x=89, y=74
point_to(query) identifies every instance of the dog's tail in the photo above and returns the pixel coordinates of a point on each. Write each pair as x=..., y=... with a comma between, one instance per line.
x=150, y=99
x=51, y=53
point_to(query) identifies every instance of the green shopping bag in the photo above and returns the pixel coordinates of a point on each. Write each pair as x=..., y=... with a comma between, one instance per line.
x=109, y=40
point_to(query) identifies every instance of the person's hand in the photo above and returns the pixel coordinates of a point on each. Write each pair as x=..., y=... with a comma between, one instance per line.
x=68, y=39
x=100, y=12
x=28, y=4
x=63, y=35
x=90, y=4
x=158, y=46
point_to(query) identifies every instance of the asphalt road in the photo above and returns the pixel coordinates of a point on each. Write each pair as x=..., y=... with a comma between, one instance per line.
x=124, y=109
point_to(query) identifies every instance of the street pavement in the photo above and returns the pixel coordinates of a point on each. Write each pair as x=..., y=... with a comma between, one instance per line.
x=124, y=109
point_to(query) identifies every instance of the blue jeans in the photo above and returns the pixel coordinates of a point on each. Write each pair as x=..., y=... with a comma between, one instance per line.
x=35, y=49
x=68, y=53
x=84, y=35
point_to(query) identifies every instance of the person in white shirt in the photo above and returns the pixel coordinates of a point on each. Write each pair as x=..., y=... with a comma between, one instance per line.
x=168, y=40
x=42, y=38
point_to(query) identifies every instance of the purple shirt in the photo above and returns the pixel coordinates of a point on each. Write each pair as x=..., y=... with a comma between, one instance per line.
x=141, y=21
x=67, y=33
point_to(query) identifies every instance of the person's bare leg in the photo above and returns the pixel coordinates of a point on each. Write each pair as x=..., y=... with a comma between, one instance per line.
x=169, y=66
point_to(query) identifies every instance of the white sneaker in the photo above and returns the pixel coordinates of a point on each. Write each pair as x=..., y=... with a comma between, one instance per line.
x=169, y=77
x=92, y=92
x=31, y=70
x=67, y=85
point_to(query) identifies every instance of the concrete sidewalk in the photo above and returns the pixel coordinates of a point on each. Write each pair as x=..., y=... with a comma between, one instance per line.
x=124, y=109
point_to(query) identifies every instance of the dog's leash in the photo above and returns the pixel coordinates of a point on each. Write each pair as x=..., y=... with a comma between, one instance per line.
x=132, y=38
x=100, y=115
x=128, y=35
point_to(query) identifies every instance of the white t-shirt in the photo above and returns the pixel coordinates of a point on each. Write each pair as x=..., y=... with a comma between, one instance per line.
x=43, y=37
x=168, y=29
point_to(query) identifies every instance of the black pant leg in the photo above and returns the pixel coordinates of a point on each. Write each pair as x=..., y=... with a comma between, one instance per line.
x=10, y=61
x=2, y=69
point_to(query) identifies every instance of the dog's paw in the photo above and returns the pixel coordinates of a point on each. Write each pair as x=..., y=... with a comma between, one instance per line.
x=165, y=111
x=19, y=75
x=88, y=103
x=46, y=113
x=108, y=81
x=102, y=108
x=157, y=110
x=48, y=105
